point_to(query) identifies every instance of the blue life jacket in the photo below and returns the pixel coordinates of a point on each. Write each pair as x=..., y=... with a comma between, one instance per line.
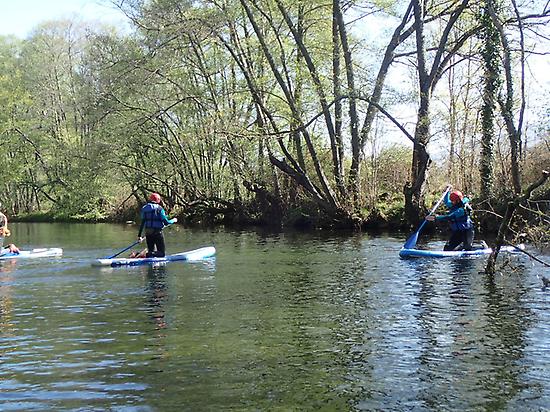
x=460, y=221
x=151, y=216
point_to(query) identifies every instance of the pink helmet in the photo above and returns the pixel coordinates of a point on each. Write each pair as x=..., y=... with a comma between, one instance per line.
x=456, y=196
x=155, y=198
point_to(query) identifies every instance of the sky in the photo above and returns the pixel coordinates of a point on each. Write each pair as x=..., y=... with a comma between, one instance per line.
x=19, y=17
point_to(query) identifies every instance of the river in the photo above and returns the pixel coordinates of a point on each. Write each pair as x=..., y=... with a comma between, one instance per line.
x=276, y=321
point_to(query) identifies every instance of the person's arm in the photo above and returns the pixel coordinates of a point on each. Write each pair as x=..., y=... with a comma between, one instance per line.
x=448, y=203
x=452, y=215
x=141, y=226
x=165, y=218
x=447, y=200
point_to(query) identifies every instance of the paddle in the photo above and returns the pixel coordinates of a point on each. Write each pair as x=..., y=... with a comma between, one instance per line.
x=124, y=250
x=411, y=241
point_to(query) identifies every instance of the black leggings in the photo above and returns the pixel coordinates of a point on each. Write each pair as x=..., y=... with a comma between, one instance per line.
x=461, y=237
x=155, y=240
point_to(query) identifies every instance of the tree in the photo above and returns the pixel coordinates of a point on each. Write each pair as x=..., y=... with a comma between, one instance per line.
x=428, y=77
x=491, y=79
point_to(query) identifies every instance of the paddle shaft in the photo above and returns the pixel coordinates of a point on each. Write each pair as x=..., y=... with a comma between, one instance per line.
x=440, y=200
x=437, y=204
x=411, y=241
x=124, y=250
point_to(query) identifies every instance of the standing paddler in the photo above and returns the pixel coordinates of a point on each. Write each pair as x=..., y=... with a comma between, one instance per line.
x=153, y=220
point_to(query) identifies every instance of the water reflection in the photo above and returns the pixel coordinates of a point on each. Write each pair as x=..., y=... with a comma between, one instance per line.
x=157, y=294
x=433, y=337
x=473, y=334
x=504, y=338
x=6, y=295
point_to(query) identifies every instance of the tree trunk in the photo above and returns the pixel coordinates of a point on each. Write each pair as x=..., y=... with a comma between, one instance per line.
x=507, y=102
x=353, y=116
x=414, y=190
x=338, y=149
x=414, y=193
x=491, y=80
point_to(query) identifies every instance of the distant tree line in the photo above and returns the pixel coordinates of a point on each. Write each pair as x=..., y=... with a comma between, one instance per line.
x=276, y=111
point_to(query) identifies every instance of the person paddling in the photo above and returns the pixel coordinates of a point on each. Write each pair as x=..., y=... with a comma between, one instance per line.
x=153, y=220
x=4, y=233
x=462, y=228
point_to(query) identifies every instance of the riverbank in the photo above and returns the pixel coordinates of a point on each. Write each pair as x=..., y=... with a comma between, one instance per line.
x=384, y=218
x=387, y=216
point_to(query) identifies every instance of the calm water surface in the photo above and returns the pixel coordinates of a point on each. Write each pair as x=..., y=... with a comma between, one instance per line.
x=275, y=321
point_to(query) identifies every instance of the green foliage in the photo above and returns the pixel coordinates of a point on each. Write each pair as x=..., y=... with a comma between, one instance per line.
x=388, y=212
x=61, y=216
x=393, y=164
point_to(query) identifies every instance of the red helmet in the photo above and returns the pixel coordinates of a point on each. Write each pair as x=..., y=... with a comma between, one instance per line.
x=456, y=196
x=155, y=198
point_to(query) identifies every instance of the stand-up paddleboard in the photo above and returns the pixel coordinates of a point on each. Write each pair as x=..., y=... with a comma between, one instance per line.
x=418, y=253
x=31, y=254
x=192, y=255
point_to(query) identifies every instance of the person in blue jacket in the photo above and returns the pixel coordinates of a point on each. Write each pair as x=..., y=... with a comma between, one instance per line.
x=153, y=220
x=458, y=217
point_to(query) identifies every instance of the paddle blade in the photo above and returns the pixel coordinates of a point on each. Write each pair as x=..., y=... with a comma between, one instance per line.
x=411, y=241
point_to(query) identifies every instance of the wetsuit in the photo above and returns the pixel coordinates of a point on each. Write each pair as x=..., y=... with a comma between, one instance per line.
x=461, y=225
x=153, y=220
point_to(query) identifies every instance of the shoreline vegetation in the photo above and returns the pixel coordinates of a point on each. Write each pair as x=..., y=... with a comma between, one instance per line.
x=391, y=218
x=386, y=216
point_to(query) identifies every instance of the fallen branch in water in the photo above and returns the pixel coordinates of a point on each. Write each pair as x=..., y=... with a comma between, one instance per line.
x=508, y=215
x=527, y=253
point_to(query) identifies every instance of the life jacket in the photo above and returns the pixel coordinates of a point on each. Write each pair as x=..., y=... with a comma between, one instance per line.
x=462, y=222
x=151, y=215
